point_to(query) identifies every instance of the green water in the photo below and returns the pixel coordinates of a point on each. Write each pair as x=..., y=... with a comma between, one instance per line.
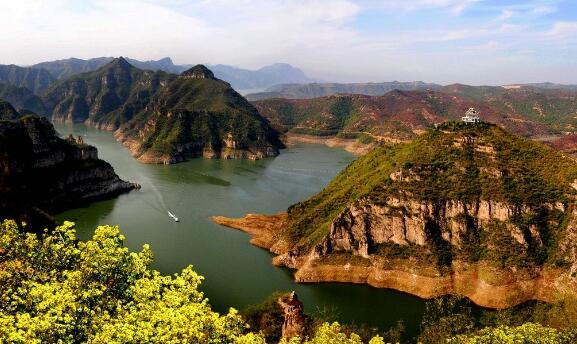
x=237, y=273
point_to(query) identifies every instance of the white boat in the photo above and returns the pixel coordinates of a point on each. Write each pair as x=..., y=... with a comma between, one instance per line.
x=173, y=216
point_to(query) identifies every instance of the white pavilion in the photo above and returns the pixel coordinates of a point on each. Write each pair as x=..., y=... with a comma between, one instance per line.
x=471, y=116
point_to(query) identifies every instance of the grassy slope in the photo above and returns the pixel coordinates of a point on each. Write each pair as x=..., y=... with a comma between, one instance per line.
x=109, y=95
x=201, y=110
x=532, y=175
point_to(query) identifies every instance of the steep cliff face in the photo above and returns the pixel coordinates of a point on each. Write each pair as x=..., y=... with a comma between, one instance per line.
x=464, y=209
x=164, y=118
x=197, y=115
x=105, y=98
x=41, y=172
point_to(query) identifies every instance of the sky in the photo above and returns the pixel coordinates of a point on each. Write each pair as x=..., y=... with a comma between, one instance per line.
x=491, y=42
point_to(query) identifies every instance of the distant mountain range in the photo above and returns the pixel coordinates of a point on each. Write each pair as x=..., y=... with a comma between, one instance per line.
x=243, y=79
x=240, y=79
x=402, y=115
x=62, y=69
x=315, y=90
x=36, y=80
x=22, y=99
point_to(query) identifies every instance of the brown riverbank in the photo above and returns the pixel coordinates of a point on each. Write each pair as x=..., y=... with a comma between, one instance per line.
x=485, y=285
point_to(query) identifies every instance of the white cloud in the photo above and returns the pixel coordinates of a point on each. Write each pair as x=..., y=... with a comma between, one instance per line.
x=321, y=36
x=563, y=28
x=239, y=32
x=505, y=15
x=454, y=6
x=543, y=10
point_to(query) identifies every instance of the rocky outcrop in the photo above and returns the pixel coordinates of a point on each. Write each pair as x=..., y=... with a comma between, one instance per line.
x=482, y=283
x=41, y=171
x=363, y=225
x=197, y=72
x=294, y=319
x=468, y=210
x=164, y=118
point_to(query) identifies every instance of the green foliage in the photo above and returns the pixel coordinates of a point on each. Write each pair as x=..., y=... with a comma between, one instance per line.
x=525, y=334
x=56, y=289
x=332, y=334
x=265, y=318
x=455, y=162
x=444, y=318
x=456, y=320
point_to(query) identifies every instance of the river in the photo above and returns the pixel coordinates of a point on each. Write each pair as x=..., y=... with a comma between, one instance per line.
x=237, y=273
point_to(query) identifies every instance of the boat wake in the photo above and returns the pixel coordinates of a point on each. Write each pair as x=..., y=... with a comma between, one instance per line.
x=173, y=216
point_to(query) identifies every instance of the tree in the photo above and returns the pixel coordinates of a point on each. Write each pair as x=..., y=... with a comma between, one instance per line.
x=527, y=333
x=57, y=289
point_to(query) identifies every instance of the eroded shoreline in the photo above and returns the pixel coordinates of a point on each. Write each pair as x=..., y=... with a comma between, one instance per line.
x=483, y=285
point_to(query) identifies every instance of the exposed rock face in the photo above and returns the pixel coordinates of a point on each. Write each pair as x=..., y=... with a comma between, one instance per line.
x=41, y=171
x=164, y=118
x=198, y=72
x=363, y=225
x=473, y=211
x=294, y=319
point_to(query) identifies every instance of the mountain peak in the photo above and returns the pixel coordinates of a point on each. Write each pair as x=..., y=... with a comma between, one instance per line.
x=198, y=72
x=120, y=62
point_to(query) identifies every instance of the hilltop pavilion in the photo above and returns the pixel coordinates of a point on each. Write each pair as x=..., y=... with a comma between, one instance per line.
x=471, y=116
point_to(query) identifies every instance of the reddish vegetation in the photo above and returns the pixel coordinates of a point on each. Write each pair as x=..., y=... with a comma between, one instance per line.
x=566, y=143
x=400, y=114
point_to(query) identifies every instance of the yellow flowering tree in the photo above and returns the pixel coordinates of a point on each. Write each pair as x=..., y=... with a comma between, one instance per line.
x=57, y=289
x=527, y=333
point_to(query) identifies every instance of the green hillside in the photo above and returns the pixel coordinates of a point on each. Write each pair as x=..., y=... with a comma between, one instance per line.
x=107, y=97
x=197, y=113
x=454, y=162
x=22, y=98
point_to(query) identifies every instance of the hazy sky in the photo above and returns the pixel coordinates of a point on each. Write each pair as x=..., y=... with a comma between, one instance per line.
x=445, y=41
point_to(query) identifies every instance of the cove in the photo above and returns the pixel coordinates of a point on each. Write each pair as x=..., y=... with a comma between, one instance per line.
x=237, y=273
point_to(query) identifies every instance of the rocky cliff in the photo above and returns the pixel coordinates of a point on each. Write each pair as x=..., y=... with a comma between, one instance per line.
x=294, y=324
x=105, y=98
x=164, y=118
x=463, y=209
x=42, y=173
x=197, y=115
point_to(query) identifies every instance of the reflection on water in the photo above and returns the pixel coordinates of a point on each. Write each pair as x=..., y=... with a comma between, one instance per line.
x=237, y=273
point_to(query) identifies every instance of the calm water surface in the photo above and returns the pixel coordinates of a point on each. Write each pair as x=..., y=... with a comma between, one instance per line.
x=237, y=273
